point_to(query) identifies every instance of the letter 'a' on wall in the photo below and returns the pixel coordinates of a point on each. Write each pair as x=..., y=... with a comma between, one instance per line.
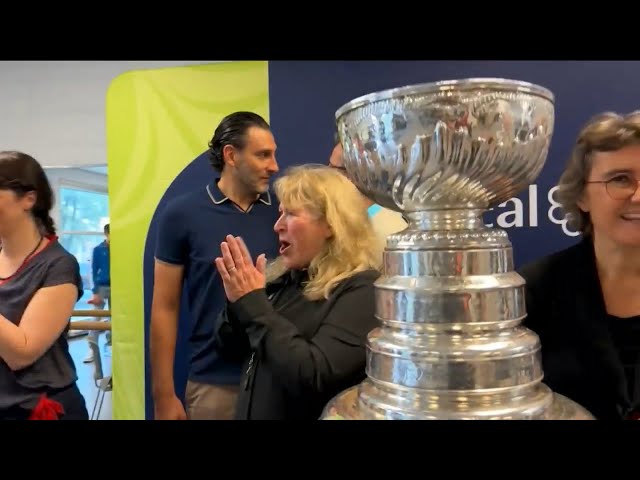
x=158, y=124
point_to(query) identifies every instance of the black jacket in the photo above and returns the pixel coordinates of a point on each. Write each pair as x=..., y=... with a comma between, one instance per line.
x=299, y=353
x=566, y=309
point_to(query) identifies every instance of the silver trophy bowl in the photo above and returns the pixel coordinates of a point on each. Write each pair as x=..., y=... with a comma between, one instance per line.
x=451, y=344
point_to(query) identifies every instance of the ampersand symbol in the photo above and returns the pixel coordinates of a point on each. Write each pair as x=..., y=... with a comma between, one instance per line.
x=554, y=205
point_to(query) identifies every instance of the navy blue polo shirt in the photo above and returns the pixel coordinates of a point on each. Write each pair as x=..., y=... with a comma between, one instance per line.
x=191, y=228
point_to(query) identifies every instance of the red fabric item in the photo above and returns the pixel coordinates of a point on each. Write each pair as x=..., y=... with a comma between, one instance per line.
x=635, y=415
x=46, y=409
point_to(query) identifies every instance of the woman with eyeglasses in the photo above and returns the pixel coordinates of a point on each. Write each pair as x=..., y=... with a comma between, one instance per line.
x=584, y=301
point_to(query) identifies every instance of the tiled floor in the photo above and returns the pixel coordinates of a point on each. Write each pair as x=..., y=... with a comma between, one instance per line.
x=79, y=348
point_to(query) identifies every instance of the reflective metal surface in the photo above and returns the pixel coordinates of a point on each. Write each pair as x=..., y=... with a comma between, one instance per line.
x=461, y=143
x=348, y=406
x=451, y=344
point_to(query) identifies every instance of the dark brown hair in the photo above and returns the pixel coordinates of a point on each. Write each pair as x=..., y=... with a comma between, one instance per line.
x=21, y=173
x=232, y=131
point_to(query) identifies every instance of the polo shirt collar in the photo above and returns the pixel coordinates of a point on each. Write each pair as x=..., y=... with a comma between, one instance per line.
x=217, y=197
x=373, y=210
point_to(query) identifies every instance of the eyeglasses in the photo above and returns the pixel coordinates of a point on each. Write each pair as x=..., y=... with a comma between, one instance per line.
x=620, y=187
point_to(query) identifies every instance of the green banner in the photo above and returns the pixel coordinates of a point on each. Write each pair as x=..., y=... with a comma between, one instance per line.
x=157, y=122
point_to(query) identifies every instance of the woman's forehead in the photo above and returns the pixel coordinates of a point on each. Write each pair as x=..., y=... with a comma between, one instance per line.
x=626, y=159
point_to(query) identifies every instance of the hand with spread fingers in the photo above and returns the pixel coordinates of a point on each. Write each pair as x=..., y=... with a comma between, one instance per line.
x=237, y=271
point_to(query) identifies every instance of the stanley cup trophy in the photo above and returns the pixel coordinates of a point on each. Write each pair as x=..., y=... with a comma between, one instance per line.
x=451, y=344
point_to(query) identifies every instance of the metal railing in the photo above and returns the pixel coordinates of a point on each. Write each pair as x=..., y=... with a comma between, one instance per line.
x=88, y=324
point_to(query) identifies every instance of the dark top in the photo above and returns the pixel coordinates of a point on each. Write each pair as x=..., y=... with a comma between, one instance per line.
x=303, y=352
x=55, y=369
x=190, y=232
x=586, y=355
x=625, y=333
x=101, y=267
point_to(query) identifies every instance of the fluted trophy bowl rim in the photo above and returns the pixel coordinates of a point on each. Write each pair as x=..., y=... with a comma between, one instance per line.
x=484, y=83
x=434, y=171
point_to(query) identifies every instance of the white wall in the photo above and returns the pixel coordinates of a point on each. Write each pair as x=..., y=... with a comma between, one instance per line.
x=55, y=111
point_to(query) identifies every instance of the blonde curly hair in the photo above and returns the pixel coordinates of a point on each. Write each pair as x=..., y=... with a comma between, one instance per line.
x=328, y=195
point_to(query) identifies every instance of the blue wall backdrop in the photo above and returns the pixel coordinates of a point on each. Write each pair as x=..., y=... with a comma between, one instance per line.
x=304, y=96
x=191, y=177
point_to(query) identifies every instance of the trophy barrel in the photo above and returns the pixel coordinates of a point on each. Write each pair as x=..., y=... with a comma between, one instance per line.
x=345, y=407
x=451, y=343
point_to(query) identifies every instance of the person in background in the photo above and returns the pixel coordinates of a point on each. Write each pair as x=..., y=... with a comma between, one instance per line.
x=39, y=285
x=101, y=270
x=236, y=200
x=384, y=221
x=305, y=329
x=584, y=301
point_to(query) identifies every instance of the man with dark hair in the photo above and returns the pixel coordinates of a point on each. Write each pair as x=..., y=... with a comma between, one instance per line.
x=101, y=275
x=237, y=201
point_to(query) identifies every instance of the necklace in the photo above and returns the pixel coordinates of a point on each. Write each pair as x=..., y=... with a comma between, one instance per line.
x=23, y=261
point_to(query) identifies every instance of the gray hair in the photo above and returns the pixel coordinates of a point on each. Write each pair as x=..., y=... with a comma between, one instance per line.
x=605, y=132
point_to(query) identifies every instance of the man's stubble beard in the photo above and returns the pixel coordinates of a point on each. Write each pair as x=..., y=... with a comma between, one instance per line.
x=251, y=187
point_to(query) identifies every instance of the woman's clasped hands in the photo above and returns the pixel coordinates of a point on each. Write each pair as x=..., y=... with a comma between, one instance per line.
x=239, y=275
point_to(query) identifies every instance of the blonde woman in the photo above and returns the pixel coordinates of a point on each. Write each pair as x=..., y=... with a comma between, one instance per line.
x=584, y=301
x=305, y=330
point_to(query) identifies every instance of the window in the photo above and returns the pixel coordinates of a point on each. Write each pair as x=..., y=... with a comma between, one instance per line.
x=83, y=215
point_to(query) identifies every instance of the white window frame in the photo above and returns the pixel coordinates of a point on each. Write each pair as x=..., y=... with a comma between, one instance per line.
x=73, y=185
x=64, y=182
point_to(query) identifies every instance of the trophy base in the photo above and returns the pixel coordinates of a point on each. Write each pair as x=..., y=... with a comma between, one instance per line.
x=346, y=406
